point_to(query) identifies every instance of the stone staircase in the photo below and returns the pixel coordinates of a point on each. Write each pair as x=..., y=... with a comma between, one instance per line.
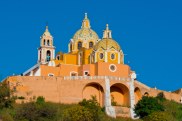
x=122, y=111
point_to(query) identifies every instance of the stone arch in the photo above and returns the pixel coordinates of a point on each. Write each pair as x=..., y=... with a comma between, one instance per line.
x=146, y=94
x=119, y=95
x=138, y=94
x=94, y=89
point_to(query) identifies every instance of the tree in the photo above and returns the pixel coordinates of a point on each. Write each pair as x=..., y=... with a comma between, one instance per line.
x=148, y=105
x=6, y=101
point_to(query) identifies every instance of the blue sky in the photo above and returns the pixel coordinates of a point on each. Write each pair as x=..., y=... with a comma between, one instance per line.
x=148, y=31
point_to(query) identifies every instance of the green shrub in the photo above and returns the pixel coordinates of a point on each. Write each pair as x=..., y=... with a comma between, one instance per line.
x=161, y=96
x=40, y=100
x=5, y=100
x=148, y=105
x=77, y=113
x=93, y=107
x=35, y=112
x=159, y=116
x=7, y=117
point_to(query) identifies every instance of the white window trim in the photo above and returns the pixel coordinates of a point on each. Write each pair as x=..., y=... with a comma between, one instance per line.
x=114, y=66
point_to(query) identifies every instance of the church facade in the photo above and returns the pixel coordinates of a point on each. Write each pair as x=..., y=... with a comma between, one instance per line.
x=92, y=67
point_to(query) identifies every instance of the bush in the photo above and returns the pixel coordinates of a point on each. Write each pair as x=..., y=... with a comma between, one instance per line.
x=35, y=112
x=161, y=96
x=40, y=100
x=77, y=113
x=93, y=107
x=160, y=116
x=148, y=105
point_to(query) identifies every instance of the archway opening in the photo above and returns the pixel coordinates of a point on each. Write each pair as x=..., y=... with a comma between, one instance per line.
x=94, y=89
x=146, y=94
x=48, y=56
x=119, y=95
x=138, y=95
x=70, y=47
x=48, y=43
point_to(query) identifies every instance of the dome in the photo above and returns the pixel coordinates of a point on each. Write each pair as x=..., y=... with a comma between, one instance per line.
x=47, y=33
x=85, y=34
x=107, y=43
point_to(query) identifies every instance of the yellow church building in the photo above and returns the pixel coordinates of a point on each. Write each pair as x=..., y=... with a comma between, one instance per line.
x=92, y=67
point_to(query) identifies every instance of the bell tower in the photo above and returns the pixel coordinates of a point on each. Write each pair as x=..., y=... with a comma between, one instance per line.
x=46, y=51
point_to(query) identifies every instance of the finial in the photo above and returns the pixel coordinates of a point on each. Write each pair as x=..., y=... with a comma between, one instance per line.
x=85, y=15
x=47, y=26
x=107, y=26
x=107, y=32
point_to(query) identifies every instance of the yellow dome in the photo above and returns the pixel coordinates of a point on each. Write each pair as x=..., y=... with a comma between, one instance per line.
x=107, y=43
x=85, y=34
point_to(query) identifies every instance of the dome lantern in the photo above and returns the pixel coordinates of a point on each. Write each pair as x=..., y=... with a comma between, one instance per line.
x=86, y=22
x=107, y=32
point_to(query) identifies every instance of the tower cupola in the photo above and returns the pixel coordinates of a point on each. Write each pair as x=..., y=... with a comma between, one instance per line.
x=46, y=51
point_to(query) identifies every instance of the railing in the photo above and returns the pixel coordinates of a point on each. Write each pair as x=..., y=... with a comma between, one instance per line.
x=95, y=77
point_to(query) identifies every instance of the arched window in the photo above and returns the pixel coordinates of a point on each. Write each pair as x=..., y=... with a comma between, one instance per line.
x=101, y=55
x=91, y=44
x=58, y=57
x=112, y=56
x=40, y=55
x=48, y=56
x=70, y=47
x=48, y=43
x=44, y=41
x=79, y=45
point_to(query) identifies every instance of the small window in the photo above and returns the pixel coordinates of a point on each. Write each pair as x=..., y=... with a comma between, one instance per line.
x=50, y=74
x=70, y=47
x=44, y=42
x=86, y=73
x=112, y=56
x=79, y=45
x=112, y=68
x=58, y=57
x=91, y=44
x=101, y=55
x=73, y=74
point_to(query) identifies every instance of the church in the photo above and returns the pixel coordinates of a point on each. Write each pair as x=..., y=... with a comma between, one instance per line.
x=93, y=66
